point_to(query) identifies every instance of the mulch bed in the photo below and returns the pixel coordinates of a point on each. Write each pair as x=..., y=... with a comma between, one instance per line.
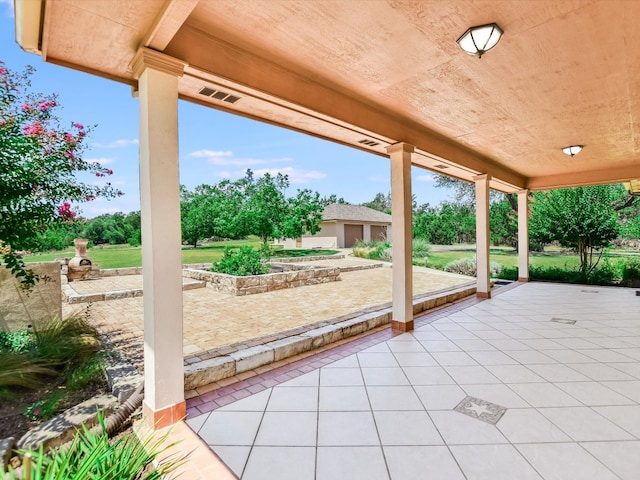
x=13, y=422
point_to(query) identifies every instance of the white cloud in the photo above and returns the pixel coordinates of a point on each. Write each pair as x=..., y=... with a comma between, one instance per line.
x=9, y=4
x=101, y=160
x=226, y=158
x=425, y=178
x=120, y=143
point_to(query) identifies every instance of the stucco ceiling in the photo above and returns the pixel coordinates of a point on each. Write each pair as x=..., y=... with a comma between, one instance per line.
x=355, y=71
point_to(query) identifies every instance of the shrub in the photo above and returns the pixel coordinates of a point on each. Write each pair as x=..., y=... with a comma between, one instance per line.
x=420, y=247
x=604, y=274
x=631, y=270
x=22, y=370
x=93, y=455
x=242, y=262
x=16, y=342
x=375, y=250
x=467, y=266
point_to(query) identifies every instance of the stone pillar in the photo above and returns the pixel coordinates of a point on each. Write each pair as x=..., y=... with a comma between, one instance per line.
x=483, y=272
x=157, y=75
x=402, y=288
x=523, y=236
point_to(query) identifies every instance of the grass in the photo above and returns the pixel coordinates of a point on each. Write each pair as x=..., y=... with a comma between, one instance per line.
x=507, y=258
x=122, y=256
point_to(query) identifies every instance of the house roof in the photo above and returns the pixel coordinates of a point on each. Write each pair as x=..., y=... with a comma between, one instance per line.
x=564, y=73
x=355, y=213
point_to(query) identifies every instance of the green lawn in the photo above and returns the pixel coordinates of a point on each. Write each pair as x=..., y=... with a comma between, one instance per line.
x=120, y=256
x=509, y=258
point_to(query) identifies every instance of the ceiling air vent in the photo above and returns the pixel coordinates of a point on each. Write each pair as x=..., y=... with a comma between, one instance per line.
x=218, y=95
x=369, y=143
x=441, y=166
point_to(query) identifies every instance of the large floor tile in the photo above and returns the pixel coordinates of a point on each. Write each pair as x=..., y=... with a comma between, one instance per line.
x=496, y=393
x=393, y=398
x=594, y=393
x=629, y=389
x=384, y=376
x=377, y=360
x=347, y=362
x=492, y=358
x=471, y=374
x=415, y=359
x=544, y=395
x=254, y=403
x=311, y=379
x=291, y=429
x=600, y=372
x=440, y=397
x=493, y=462
x=453, y=358
x=558, y=373
x=406, y=428
x=347, y=428
x=282, y=463
x=621, y=457
x=514, y=374
x=340, y=377
x=626, y=417
x=293, y=399
x=230, y=428
x=565, y=461
x=341, y=399
x=530, y=357
x=459, y=429
x=351, y=463
x=414, y=463
x=428, y=376
x=526, y=425
x=233, y=456
x=584, y=424
x=406, y=346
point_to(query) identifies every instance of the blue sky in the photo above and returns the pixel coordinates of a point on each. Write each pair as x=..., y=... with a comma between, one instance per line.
x=213, y=144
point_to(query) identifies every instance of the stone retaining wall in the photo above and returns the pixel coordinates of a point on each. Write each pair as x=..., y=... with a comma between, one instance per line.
x=292, y=277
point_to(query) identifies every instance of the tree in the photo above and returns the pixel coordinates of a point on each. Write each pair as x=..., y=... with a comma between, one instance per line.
x=267, y=212
x=331, y=199
x=380, y=202
x=446, y=224
x=583, y=218
x=39, y=160
x=503, y=223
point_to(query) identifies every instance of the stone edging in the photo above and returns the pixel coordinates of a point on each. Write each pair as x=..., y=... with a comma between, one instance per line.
x=209, y=370
x=71, y=296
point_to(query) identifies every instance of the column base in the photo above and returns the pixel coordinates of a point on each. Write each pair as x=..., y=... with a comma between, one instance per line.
x=485, y=295
x=523, y=279
x=164, y=417
x=402, y=326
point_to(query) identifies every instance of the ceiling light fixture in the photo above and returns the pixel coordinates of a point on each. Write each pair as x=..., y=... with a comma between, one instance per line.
x=480, y=39
x=572, y=150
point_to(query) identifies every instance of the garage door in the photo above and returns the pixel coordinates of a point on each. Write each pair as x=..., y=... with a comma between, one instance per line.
x=352, y=234
x=378, y=232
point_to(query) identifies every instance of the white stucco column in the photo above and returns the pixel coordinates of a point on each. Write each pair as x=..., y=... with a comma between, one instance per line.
x=157, y=75
x=402, y=288
x=523, y=236
x=482, y=236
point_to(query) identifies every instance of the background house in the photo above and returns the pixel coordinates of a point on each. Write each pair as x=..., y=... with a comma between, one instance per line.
x=344, y=225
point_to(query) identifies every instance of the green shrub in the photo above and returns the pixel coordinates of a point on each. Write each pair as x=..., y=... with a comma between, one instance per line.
x=44, y=409
x=17, y=342
x=374, y=250
x=22, y=370
x=467, y=266
x=420, y=247
x=68, y=343
x=509, y=273
x=94, y=456
x=87, y=373
x=631, y=270
x=605, y=274
x=242, y=262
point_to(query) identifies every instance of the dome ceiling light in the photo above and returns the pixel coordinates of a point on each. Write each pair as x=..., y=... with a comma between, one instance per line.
x=480, y=39
x=572, y=150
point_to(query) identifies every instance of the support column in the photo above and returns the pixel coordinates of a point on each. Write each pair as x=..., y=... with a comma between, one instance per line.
x=402, y=288
x=523, y=236
x=483, y=272
x=157, y=74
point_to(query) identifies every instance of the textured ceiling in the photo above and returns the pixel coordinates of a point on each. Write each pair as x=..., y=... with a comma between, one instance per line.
x=565, y=72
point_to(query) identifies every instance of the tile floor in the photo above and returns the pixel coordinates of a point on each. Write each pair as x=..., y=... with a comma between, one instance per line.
x=386, y=411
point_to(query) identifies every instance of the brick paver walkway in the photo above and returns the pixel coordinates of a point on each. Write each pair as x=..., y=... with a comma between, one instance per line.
x=213, y=319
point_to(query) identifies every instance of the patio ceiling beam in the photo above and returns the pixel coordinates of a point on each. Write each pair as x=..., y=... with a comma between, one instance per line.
x=168, y=22
x=590, y=177
x=236, y=67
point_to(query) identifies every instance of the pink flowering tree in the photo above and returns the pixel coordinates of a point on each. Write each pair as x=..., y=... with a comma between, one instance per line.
x=39, y=163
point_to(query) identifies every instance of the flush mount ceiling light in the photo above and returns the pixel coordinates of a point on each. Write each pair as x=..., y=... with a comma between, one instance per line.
x=480, y=39
x=572, y=150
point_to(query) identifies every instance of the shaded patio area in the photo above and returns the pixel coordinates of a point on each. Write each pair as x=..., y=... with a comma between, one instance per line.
x=553, y=372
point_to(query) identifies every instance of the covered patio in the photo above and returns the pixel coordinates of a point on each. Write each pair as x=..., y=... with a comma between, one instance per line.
x=388, y=77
